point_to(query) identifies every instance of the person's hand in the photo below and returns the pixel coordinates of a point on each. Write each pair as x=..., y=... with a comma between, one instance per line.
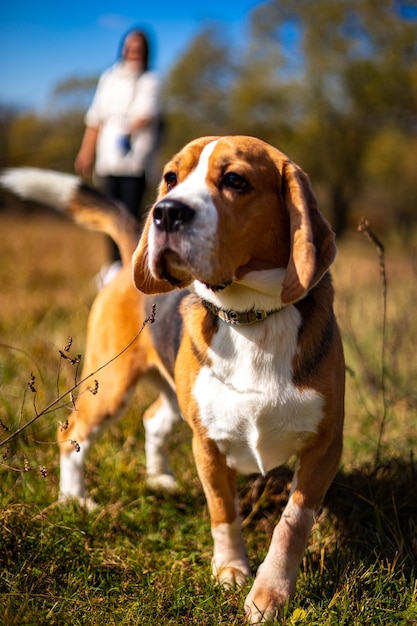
x=138, y=124
x=84, y=160
x=83, y=164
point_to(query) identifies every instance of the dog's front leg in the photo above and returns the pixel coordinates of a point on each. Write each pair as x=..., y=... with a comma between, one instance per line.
x=275, y=582
x=230, y=562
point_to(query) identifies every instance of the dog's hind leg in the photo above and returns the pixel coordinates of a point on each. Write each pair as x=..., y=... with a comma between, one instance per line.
x=93, y=413
x=159, y=421
x=115, y=319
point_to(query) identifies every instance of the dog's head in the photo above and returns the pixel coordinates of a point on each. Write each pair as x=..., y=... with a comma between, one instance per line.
x=228, y=206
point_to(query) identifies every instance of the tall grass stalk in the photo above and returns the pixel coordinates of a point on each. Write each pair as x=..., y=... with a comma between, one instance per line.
x=364, y=227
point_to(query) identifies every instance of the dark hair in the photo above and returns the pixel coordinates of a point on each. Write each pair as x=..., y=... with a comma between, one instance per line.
x=139, y=33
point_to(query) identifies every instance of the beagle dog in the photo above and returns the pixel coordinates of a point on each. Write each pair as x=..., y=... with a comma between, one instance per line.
x=245, y=346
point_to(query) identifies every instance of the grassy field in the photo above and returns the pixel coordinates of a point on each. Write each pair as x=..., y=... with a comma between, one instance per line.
x=144, y=558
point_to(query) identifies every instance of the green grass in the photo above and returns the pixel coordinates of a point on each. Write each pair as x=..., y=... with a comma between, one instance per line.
x=143, y=558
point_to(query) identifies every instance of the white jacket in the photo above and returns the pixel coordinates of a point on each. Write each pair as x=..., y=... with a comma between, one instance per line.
x=122, y=96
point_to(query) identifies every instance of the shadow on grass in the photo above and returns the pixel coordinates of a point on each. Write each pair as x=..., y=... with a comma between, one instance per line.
x=372, y=510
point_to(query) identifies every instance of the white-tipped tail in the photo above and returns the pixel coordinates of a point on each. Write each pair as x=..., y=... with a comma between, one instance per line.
x=85, y=205
x=45, y=186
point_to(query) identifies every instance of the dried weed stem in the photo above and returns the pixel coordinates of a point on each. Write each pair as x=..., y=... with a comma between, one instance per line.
x=364, y=227
x=69, y=392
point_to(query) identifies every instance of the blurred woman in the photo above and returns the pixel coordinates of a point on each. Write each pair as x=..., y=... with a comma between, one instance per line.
x=122, y=126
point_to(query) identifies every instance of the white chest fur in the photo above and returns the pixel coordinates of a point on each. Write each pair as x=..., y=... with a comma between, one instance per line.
x=247, y=400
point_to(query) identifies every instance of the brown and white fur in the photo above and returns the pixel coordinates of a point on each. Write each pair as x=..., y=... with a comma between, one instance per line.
x=235, y=236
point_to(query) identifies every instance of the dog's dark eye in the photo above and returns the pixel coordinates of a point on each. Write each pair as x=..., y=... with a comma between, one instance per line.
x=170, y=179
x=235, y=181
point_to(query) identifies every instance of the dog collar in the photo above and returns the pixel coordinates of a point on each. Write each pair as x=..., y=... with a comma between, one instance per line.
x=239, y=317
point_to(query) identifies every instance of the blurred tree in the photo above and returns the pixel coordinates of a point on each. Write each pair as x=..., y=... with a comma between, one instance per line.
x=390, y=171
x=49, y=142
x=196, y=91
x=347, y=70
x=26, y=135
x=62, y=141
x=324, y=81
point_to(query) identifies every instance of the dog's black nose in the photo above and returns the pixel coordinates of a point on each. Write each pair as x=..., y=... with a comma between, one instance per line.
x=171, y=215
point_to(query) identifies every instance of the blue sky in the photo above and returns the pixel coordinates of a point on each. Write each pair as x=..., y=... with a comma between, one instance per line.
x=44, y=42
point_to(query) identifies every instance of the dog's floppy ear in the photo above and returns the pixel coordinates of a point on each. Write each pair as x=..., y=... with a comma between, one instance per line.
x=142, y=277
x=312, y=240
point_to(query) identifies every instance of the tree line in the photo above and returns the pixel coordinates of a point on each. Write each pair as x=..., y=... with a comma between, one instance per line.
x=332, y=83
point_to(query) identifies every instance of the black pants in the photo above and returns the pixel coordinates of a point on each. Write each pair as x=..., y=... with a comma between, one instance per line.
x=130, y=191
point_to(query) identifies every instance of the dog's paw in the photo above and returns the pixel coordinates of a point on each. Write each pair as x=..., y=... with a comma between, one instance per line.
x=162, y=482
x=233, y=574
x=262, y=609
x=264, y=604
x=232, y=577
x=86, y=503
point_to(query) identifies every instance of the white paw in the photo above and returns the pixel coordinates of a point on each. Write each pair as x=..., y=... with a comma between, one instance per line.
x=86, y=503
x=230, y=576
x=162, y=482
